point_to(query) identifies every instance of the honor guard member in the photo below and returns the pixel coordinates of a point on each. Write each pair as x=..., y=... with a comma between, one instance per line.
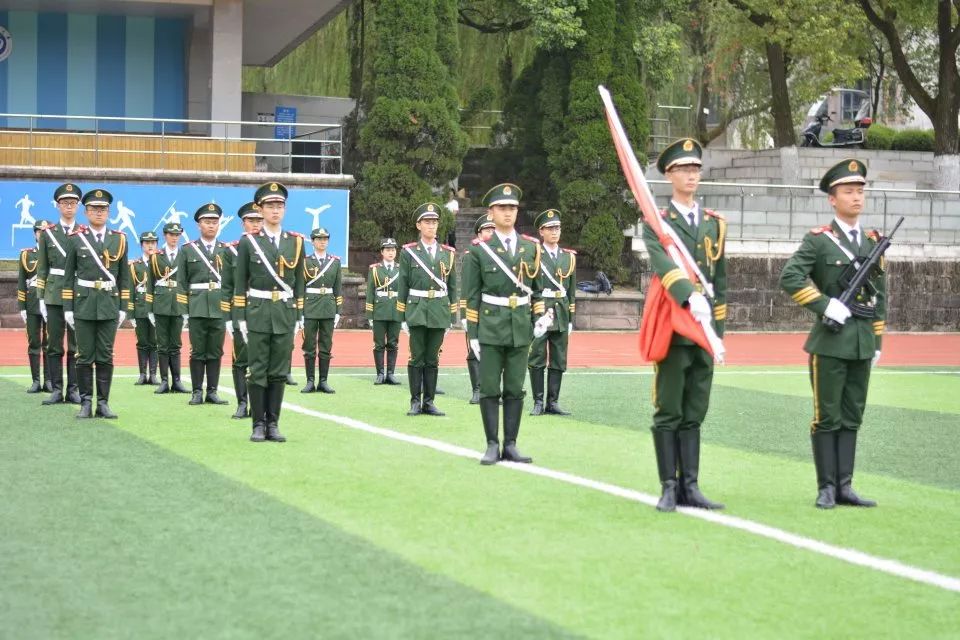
x=381, y=311
x=268, y=295
x=167, y=308
x=252, y=220
x=139, y=310
x=840, y=362
x=200, y=263
x=52, y=252
x=323, y=300
x=683, y=378
x=502, y=293
x=29, y=303
x=427, y=302
x=96, y=293
x=558, y=269
x=483, y=230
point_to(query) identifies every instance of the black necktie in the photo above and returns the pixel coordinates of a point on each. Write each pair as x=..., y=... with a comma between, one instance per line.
x=853, y=238
x=693, y=220
x=509, y=248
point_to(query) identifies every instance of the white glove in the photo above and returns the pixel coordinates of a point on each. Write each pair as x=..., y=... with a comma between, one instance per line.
x=541, y=326
x=152, y=318
x=405, y=327
x=186, y=321
x=475, y=347
x=243, y=329
x=133, y=322
x=23, y=316
x=68, y=317
x=370, y=323
x=121, y=317
x=336, y=320
x=298, y=328
x=876, y=358
x=43, y=310
x=463, y=323
x=699, y=307
x=570, y=327
x=837, y=311
x=228, y=326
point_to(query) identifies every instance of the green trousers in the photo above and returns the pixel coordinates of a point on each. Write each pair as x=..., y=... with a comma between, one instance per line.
x=206, y=338
x=239, y=348
x=839, y=392
x=386, y=335
x=146, y=335
x=502, y=364
x=36, y=334
x=681, y=388
x=318, y=335
x=557, y=341
x=425, y=344
x=169, y=340
x=268, y=356
x=95, y=340
x=56, y=326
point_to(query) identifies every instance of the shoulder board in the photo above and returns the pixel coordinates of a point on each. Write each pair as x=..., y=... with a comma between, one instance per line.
x=234, y=243
x=252, y=235
x=712, y=214
x=337, y=258
x=475, y=241
x=114, y=231
x=409, y=245
x=663, y=213
x=375, y=264
x=155, y=252
x=78, y=231
x=569, y=251
x=137, y=261
x=818, y=230
x=295, y=234
x=28, y=250
x=530, y=238
x=448, y=247
x=875, y=234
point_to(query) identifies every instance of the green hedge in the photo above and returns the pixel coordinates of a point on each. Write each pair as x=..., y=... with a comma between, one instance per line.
x=913, y=140
x=880, y=137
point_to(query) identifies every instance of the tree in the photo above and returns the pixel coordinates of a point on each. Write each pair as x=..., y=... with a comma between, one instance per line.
x=556, y=23
x=940, y=102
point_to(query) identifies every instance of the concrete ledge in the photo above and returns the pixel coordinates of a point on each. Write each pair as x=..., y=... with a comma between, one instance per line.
x=618, y=311
x=330, y=181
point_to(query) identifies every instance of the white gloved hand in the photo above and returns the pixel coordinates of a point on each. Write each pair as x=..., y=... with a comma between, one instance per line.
x=43, y=310
x=405, y=327
x=152, y=318
x=475, y=347
x=699, y=307
x=876, y=358
x=463, y=323
x=243, y=329
x=541, y=326
x=336, y=320
x=301, y=323
x=186, y=321
x=370, y=322
x=133, y=322
x=570, y=327
x=68, y=317
x=23, y=315
x=228, y=326
x=837, y=311
x=121, y=317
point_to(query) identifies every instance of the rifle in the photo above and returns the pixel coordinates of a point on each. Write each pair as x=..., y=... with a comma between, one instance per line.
x=859, y=277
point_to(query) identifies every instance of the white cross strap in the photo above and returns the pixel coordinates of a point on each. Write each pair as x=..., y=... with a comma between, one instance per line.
x=96, y=258
x=440, y=283
x=53, y=239
x=503, y=267
x=215, y=273
x=287, y=289
x=330, y=261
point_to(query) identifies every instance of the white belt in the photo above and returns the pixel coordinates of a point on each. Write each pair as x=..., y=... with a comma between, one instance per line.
x=386, y=294
x=205, y=286
x=57, y=272
x=269, y=295
x=167, y=283
x=512, y=301
x=106, y=285
x=433, y=293
x=320, y=290
x=550, y=293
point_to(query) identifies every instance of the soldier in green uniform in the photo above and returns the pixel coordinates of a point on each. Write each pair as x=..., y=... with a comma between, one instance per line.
x=199, y=264
x=252, y=219
x=684, y=377
x=483, y=229
x=52, y=257
x=96, y=293
x=427, y=302
x=168, y=306
x=268, y=297
x=29, y=303
x=321, y=309
x=840, y=362
x=139, y=309
x=558, y=269
x=504, y=312
x=381, y=311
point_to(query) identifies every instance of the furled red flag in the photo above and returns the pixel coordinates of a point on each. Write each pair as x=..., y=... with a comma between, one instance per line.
x=662, y=314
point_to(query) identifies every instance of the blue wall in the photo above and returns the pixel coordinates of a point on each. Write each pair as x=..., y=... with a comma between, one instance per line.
x=85, y=64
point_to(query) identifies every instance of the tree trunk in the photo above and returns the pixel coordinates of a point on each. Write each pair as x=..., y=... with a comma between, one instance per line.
x=783, y=133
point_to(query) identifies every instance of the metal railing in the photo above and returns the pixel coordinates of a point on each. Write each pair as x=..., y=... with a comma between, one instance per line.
x=292, y=147
x=756, y=211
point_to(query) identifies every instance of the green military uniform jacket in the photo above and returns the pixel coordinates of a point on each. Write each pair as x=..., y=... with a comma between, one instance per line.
x=258, y=297
x=199, y=279
x=812, y=276
x=493, y=324
x=706, y=245
x=562, y=272
x=421, y=301
x=52, y=252
x=85, y=285
x=27, y=298
x=163, y=294
x=138, y=307
x=322, y=287
x=228, y=273
x=383, y=287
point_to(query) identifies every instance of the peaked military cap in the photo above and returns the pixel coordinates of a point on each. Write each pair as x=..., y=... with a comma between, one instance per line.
x=389, y=243
x=68, y=190
x=270, y=192
x=846, y=171
x=483, y=222
x=148, y=236
x=427, y=211
x=249, y=210
x=97, y=197
x=209, y=210
x=505, y=193
x=683, y=151
x=173, y=227
x=39, y=225
x=548, y=218
x=319, y=232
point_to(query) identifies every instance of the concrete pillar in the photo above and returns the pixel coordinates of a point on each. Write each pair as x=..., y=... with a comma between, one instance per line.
x=198, y=73
x=226, y=74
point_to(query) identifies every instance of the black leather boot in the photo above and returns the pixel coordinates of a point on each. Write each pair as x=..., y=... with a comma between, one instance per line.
x=213, y=383
x=536, y=390
x=274, y=404
x=142, y=360
x=324, y=371
x=554, y=378
x=429, y=389
x=196, y=381
x=258, y=405
x=176, y=385
x=378, y=363
x=290, y=381
x=56, y=382
x=490, y=413
x=164, y=372
x=391, y=367
x=36, y=387
x=47, y=385
x=512, y=409
x=240, y=386
x=665, y=446
x=825, y=462
x=415, y=379
x=473, y=369
x=152, y=359
x=689, y=490
x=846, y=455
x=72, y=394
x=104, y=380
x=311, y=366
x=85, y=390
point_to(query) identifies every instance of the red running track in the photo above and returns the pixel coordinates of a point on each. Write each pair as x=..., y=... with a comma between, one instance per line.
x=352, y=348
